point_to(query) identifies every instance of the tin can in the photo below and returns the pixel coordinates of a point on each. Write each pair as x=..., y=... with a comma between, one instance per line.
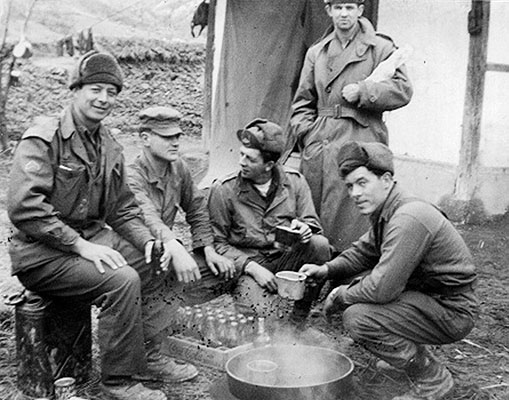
x=65, y=388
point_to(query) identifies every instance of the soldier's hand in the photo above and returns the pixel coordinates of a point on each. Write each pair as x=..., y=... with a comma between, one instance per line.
x=218, y=264
x=184, y=265
x=262, y=276
x=314, y=271
x=351, y=93
x=99, y=254
x=303, y=229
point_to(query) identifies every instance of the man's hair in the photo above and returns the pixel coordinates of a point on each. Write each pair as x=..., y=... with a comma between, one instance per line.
x=268, y=156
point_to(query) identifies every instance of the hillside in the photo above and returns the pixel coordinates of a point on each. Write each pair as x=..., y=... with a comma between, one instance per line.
x=51, y=20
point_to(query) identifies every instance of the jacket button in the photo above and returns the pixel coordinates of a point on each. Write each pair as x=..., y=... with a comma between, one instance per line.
x=328, y=89
x=373, y=99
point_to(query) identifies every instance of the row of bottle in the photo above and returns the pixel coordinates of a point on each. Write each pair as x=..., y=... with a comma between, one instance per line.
x=218, y=327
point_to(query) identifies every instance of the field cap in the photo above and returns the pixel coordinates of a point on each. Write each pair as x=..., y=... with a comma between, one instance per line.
x=165, y=121
x=263, y=135
x=372, y=155
x=95, y=67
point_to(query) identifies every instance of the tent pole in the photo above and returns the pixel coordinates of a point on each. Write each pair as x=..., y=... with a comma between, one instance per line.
x=209, y=67
x=465, y=207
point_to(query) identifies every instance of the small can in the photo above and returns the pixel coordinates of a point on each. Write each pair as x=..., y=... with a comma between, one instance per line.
x=65, y=388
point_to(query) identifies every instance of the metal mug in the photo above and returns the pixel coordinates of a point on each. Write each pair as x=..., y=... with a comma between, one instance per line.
x=65, y=388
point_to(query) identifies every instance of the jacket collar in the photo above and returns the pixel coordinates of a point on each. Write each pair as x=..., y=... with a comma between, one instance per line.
x=109, y=145
x=365, y=37
x=244, y=185
x=154, y=171
x=389, y=206
x=354, y=52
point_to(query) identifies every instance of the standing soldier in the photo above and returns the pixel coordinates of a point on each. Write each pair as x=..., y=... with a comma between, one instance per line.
x=335, y=103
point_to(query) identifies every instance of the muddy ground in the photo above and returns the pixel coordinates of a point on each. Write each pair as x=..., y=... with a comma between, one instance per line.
x=480, y=363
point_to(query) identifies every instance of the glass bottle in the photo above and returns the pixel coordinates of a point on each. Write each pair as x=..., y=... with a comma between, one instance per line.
x=262, y=336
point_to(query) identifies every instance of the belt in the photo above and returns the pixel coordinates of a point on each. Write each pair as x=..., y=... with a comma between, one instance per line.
x=332, y=112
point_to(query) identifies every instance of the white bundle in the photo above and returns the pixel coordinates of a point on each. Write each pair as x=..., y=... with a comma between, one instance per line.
x=386, y=69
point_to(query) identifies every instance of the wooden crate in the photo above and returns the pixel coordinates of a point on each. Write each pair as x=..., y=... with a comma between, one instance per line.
x=194, y=351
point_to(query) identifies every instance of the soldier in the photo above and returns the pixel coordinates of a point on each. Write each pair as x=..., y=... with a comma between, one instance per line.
x=79, y=233
x=245, y=209
x=162, y=184
x=413, y=274
x=335, y=103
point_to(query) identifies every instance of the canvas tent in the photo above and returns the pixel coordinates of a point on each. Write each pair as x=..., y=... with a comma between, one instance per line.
x=448, y=141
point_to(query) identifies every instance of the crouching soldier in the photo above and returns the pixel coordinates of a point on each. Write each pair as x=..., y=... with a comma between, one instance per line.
x=414, y=275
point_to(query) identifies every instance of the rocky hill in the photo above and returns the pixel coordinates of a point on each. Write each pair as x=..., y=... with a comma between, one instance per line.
x=51, y=20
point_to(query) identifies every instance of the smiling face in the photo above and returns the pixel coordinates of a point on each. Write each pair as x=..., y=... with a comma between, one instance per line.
x=367, y=189
x=162, y=147
x=94, y=102
x=344, y=15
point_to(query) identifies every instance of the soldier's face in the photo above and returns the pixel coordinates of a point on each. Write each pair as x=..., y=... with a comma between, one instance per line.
x=344, y=15
x=252, y=166
x=94, y=102
x=162, y=147
x=367, y=189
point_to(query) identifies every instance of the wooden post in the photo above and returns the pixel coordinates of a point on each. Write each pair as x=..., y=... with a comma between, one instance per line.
x=209, y=68
x=478, y=26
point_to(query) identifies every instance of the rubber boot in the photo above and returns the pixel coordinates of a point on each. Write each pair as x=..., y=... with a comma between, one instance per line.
x=431, y=380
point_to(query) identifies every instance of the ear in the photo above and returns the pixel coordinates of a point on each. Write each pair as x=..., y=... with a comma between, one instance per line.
x=145, y=138
x=361, y=9
x=327, y=9
x=269, y=165
x=387, y=179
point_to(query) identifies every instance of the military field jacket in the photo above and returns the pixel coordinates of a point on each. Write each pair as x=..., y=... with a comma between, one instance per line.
x=243, y=227
x=161, y=194
x=410, y=246
x=50, y=189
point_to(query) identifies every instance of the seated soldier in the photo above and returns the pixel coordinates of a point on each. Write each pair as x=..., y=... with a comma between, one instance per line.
x=79, y=233
x=414, y=275
x=162, y=184
x=245, y=209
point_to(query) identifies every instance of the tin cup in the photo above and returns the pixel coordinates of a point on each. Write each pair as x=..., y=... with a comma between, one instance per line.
x=262, y=372
x=65, y=388
x=291, y=285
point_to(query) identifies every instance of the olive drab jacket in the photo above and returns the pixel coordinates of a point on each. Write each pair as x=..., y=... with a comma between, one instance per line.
x=244, y=227
x=161, y=194
x=322, y=120
x=51, y=191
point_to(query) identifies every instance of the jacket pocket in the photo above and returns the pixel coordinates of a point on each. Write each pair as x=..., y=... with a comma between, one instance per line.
x=70, y=182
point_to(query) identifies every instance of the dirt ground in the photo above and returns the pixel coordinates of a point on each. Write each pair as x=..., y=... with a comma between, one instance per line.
x=480, y=363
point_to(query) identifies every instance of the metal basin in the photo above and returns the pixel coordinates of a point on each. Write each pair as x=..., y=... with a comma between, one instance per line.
x=296, y=372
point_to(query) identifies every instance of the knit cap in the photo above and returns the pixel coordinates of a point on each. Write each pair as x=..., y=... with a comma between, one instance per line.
x=95, y=67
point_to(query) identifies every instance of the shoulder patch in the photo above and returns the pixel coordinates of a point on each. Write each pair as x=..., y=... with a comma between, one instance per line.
x=44, y=128
x=386, y=37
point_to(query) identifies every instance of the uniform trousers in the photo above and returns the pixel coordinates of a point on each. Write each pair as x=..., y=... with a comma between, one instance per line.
x=131, y=299
x=394, y=331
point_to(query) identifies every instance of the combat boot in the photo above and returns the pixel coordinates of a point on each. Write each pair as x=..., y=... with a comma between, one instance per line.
x=431, y=380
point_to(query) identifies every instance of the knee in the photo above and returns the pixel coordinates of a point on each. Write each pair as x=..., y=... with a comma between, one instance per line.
x=356, y=321
x=126, y=278
x=321, y=249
